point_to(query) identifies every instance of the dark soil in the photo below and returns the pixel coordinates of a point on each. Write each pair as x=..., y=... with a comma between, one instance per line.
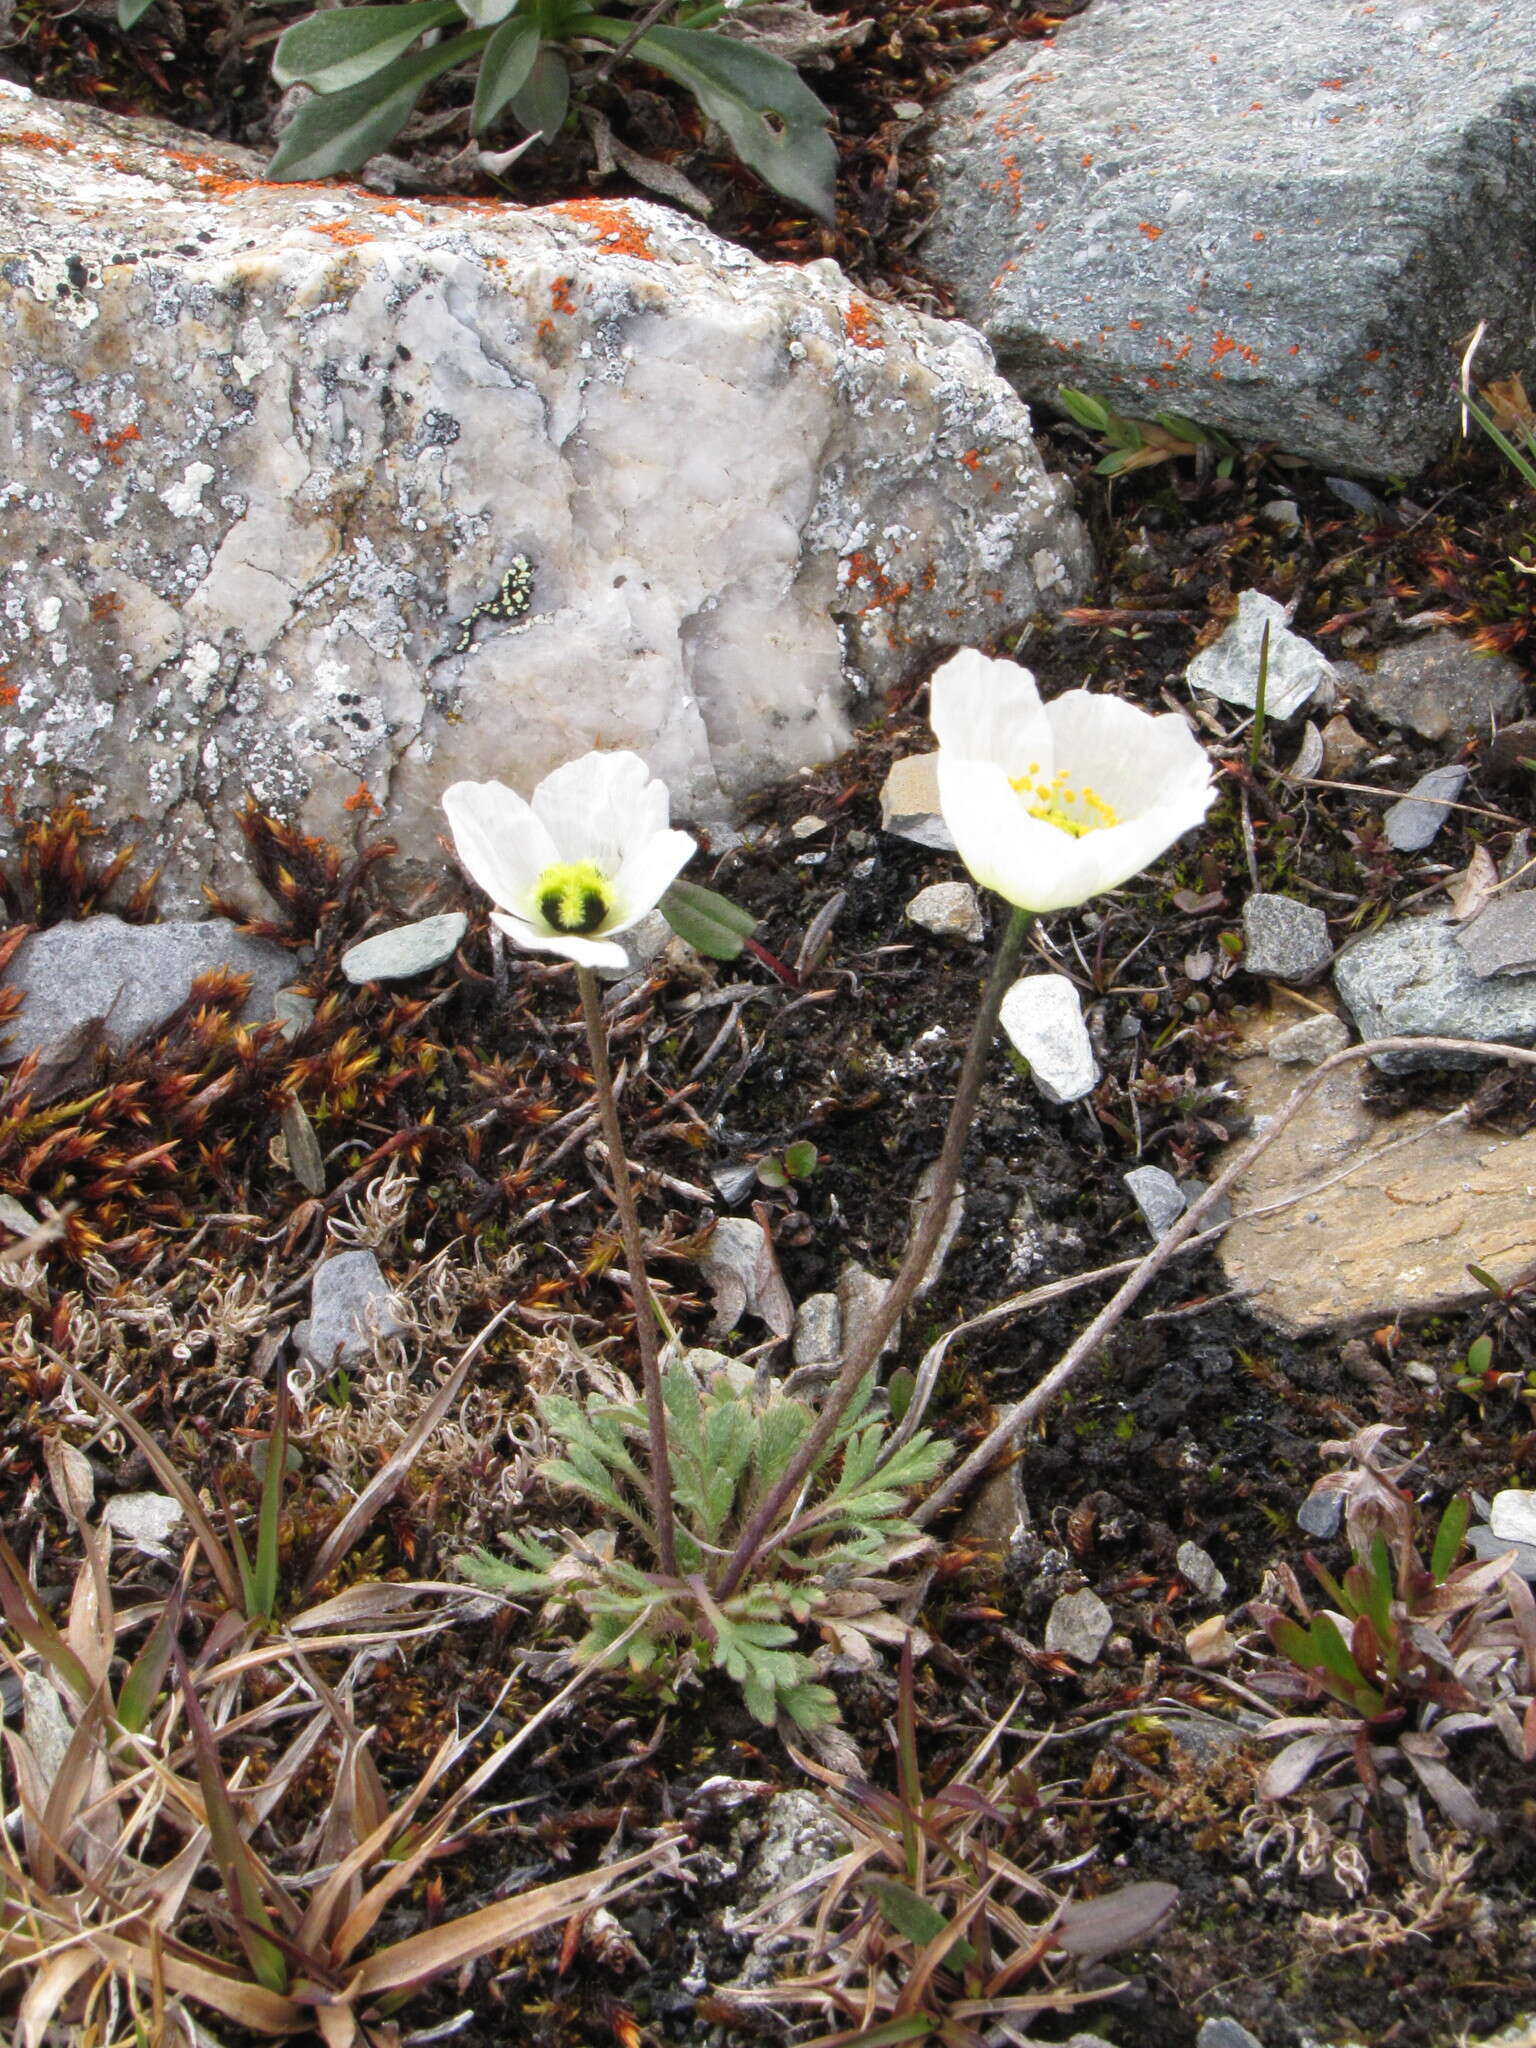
x=1197, y=1424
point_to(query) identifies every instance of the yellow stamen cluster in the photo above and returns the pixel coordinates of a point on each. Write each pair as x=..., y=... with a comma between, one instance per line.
x=1058, y=803
x=574, y=896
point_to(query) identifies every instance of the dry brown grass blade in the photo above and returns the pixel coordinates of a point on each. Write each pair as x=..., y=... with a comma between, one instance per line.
x=461, y=1941
x=381, y=1488
x=236, y=1998
x=51, y=1984
x=321, y=1908
x=220, y=1562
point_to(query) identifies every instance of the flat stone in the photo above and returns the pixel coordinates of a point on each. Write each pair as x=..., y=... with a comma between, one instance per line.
x=100, y=980
x=1158, y=1196
x=1309, y=1042
x=1438, y=686
x=1505, y=761
x=408, y=950
x=1225, y=2033
x=350, y=1304
x=1229, y=667
x=721, y=502
x=1501, y=939
x=949, y=910
x=818, y=1334
x=1273, y=221
x=1042, y=1015
x=1413, y=979
x=1286, y=940
x=1392, y=1237
x=1201, y=1570
x=1078, y=1626
x=1415, y=819
x=909, y=803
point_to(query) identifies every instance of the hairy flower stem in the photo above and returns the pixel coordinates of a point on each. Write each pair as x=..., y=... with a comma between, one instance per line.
x=634, y=1258
x=921, y=1247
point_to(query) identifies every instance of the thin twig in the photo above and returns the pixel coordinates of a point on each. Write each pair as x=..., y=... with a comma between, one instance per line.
x=1022, y=1414
x=634, y=1258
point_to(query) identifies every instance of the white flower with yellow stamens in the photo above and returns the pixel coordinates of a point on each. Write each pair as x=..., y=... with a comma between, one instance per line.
x=584, y=860
x=1050, y=804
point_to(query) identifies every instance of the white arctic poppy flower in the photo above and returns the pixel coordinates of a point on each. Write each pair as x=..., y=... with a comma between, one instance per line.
x=584, y=860
x=1051, y=803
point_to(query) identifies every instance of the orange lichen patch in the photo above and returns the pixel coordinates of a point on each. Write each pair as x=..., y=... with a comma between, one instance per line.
x=34, y=138
x=866, y=569
x=1372, y=355
x=1145, y=227
x=362, y=799
x=1258, y=234
x=1331, y=84
x=104, y=605
x=860, y=326
x=110, y=443
x=85, y=421
x=9, y=692
x=1223, y=345
x=390, y=208
x=1086, y=158
x=339, y=232
x=618, y=232
x=971, y=460
x=560, y=296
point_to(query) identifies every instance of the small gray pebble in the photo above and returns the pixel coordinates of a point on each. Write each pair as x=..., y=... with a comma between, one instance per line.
x=1412, y=822
x=1320, y=1514
x=1158, y=1196
x=405, y=952
x=1310, y=1042
x=1286, y=940
x=1225, y=2033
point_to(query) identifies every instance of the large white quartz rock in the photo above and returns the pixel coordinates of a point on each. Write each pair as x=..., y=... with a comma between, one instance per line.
x=266, y=448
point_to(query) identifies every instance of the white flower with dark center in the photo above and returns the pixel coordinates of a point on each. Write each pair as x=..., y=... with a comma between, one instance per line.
x=1050, y=804
x=584, y=860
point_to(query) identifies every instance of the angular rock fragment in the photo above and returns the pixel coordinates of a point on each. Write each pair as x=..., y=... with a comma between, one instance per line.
x=1501, y=939
x=350, y=1305
x=1229, y=667
x=1286, y=940
x=1042, y=1014
x=1078, y=1626
x=949, y=910
x=1277, y=222
x=909, y=803
x=1414, y=979
x=1158, y=1196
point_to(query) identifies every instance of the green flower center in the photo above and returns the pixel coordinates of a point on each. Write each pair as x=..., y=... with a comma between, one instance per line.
x=1057, y=803
x=573, y=896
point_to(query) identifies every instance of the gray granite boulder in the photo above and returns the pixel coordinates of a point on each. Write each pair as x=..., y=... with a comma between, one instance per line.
x=1412, y=979
x=101, y=981
x=339, y=498
x=1279, y=222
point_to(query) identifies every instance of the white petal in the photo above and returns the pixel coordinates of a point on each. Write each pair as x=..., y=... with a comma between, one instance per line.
x=1032, y=864
x=984, y=710
x=646, y=875
x=601, y=806
x=585, y=952
x=1129, y=758
x=500, y=841
x=1121, y=851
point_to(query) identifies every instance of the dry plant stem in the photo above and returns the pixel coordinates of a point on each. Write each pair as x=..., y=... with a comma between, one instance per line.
x=634, y=1258
x=919, y=1255
x=1019, y=1417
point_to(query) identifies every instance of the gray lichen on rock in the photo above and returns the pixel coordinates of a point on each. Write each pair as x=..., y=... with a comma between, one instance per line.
x=268, y=447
